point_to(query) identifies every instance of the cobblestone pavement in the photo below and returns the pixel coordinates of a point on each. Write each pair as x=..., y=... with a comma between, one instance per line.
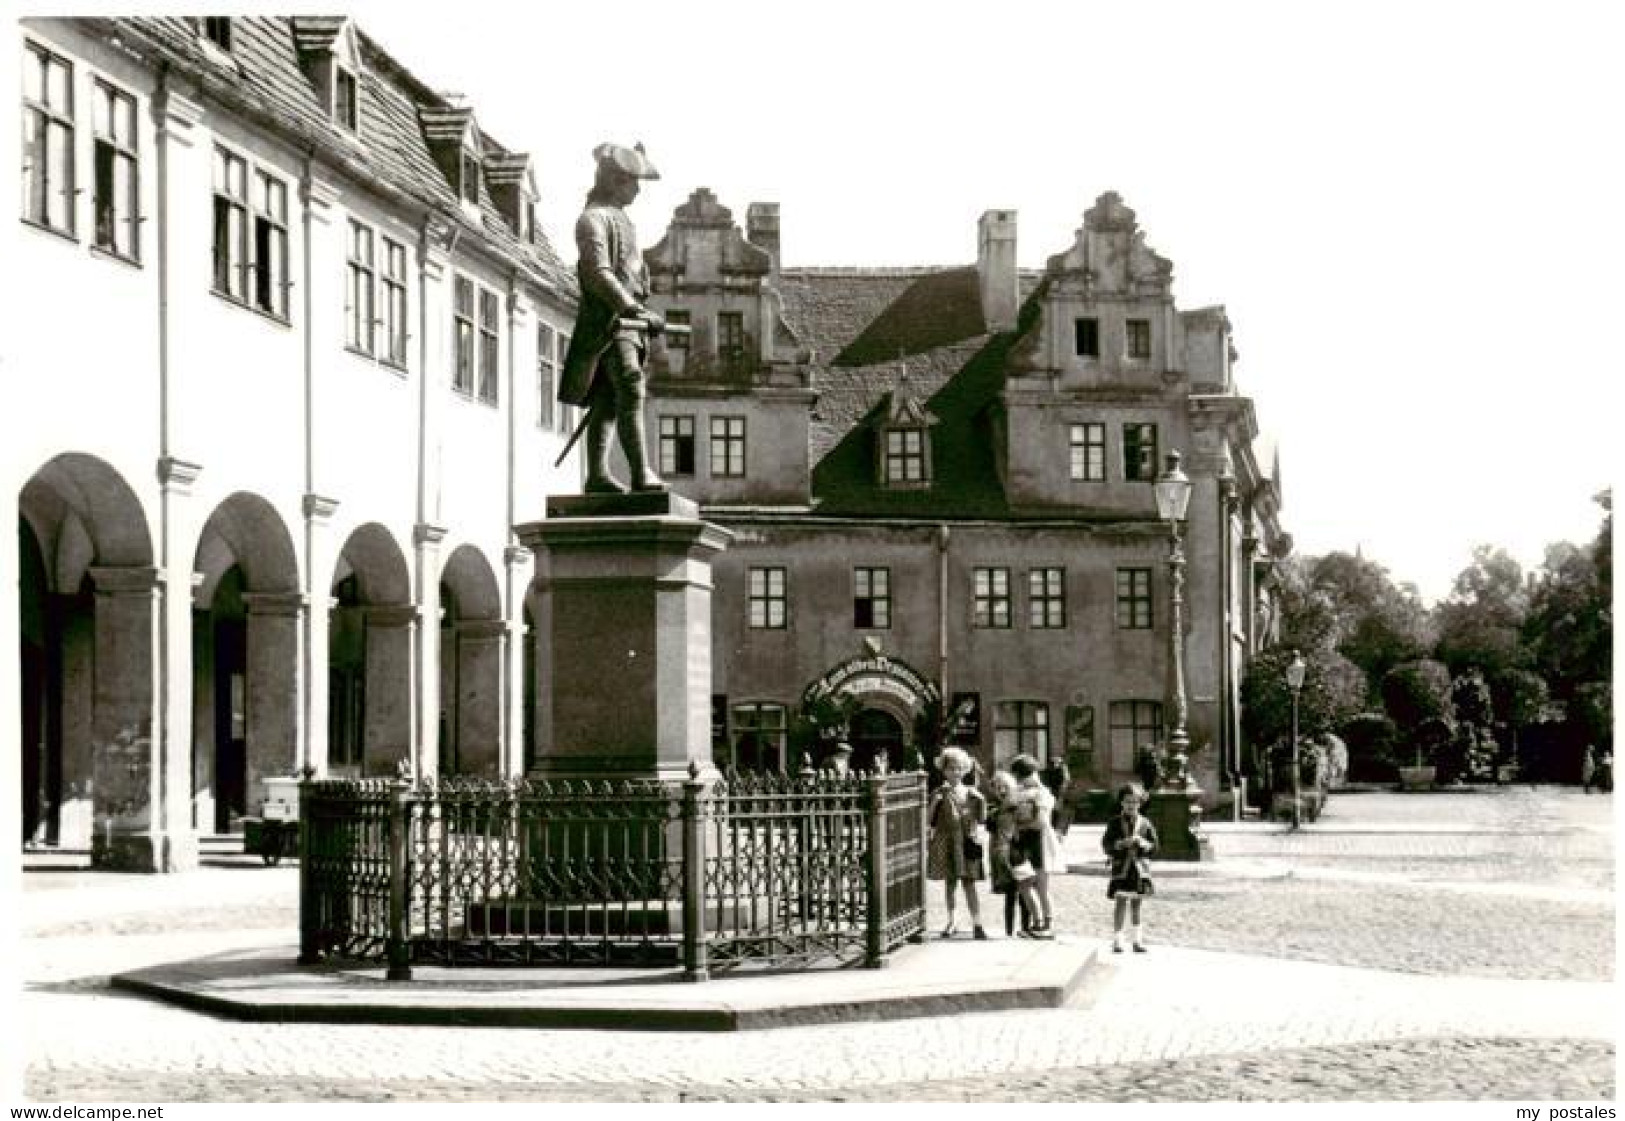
x=1261, y=985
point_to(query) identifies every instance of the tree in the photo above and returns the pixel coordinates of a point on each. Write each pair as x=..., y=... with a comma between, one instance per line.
x=1383, y=622
x=1568, y=629
x=1474, y=741
x=1370, y=738
x=1520, y=700
x=1417, y=696
x=1309, y=619
x=1480, y=622
x=1333, y=690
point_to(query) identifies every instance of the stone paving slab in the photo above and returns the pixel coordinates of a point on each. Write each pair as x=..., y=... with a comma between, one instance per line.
x=931, y=979
x=1170, y=1004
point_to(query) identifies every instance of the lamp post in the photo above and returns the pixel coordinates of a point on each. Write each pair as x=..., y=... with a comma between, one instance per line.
x=1173, y=493
x=1294, y=681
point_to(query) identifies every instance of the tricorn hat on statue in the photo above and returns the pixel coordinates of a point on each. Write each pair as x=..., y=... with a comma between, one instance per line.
x=631, y=160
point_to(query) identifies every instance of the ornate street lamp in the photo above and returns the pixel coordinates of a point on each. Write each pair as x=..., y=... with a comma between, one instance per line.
x=1294, y=681
x=1173, y=491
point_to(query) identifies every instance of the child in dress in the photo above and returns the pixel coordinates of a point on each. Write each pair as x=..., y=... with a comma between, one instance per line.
x=956, y=814
x=1129, y=839
x=1035, y=836
x=1001, y=819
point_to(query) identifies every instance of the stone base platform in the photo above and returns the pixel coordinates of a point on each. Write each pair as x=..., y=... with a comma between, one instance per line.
x=932, y=979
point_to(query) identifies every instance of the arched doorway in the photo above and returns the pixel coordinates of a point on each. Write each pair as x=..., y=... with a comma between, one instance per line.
x=877, y=738
x=85, y=649
x=245, y=655
x=220, y=653
x=471, y=636
x=369, y=635
x=41, y=681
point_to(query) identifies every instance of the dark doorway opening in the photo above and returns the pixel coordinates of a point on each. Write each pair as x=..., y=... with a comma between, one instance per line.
x=877, y=738
x=230, y=702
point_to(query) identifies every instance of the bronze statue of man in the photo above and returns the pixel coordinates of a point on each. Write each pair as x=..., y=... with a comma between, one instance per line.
x=604, y=367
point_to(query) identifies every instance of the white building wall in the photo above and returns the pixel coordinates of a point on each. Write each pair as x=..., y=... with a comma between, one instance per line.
x=332, y=440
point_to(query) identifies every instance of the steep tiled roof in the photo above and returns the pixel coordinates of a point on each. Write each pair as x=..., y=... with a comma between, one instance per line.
x=269, y=84
x=869, y=328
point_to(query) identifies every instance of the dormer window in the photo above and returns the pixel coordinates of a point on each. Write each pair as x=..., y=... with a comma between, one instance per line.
x=217, y=30
x=331, y=58
x=904, y=446
x=508, y=185
x=905, y=456
x=468, y=183
x=346, y=105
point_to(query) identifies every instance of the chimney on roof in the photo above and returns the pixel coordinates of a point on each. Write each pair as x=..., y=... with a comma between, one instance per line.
x=996, y=269
x=762, y=229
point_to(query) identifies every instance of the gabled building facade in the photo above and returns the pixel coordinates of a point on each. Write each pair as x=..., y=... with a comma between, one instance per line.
x=940, y=487
x=287, y=335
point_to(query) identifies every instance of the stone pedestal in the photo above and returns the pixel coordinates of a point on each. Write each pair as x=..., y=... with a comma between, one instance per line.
x=627, y=585
x=1177, y=815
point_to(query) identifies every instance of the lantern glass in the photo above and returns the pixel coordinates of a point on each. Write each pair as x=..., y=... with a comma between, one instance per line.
x=1173, y=490
x=1295, y=671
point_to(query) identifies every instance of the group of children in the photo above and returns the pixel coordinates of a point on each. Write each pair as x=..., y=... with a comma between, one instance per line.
x=1008, y=836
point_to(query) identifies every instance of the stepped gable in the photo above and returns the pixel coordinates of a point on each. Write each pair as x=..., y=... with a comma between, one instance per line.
x=698, y=220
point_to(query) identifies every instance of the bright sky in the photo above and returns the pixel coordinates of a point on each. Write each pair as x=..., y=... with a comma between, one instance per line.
x=1414, y=212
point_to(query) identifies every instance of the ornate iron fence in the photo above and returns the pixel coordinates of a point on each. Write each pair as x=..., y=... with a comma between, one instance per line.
x=773, y=871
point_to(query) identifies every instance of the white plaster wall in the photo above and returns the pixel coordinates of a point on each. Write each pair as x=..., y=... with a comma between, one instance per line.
x=279, y=410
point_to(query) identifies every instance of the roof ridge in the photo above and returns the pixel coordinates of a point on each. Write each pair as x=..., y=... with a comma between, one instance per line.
x=877, y=271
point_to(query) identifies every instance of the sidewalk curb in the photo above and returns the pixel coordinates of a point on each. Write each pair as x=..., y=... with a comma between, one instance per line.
x=934, y=980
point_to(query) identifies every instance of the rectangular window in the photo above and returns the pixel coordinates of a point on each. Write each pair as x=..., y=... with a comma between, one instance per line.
x=731, y=341
x=118, y=197
x=677, y=445
x=469, y=182
x=462, y=370
x=905, y=455
x=992, y=597
x=217, y=30
x=678, y=340
x=345, y=110
x=1046, y=598
x=360, y=321
x=727, y=446
x=48, y=181
x=1020, y=728
x=1133, y=725
x=758, y=737
x=1087, y=453
x=1137, y=338
x=1140, y=452
x=490, y=327
x=1086, y=334
x=566, y=415
x=871, y=598
x=270, y=257
x=394, y=309
x=768, y=603
x=230, y=225
x=546, y=374
x=1134, y=599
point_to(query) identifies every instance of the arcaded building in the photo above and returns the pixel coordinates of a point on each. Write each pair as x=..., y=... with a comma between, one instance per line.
x=939, y=483
x=283, y=344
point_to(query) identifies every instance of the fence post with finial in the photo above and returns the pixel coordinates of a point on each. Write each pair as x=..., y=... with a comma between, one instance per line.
x=694, y=949
x=398, y=948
